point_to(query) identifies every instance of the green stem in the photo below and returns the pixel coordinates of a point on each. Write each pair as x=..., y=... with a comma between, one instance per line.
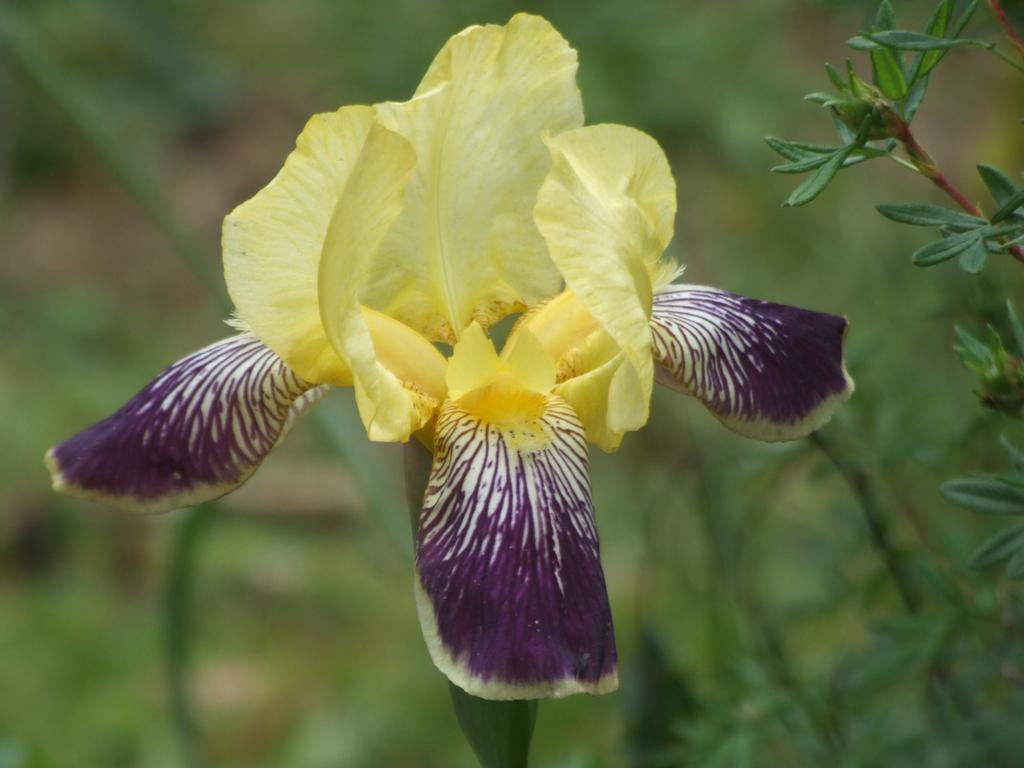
x=861, y=482
x=178, y=600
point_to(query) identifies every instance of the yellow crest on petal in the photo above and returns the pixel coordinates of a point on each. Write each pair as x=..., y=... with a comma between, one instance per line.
x=507, y=391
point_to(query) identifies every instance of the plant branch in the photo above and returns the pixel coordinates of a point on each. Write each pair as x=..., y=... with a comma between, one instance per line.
x=926, y=166
x=859, y=479
x=1004, y=21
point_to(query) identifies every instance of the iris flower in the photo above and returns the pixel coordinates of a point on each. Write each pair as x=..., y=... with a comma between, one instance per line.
x=392, y=239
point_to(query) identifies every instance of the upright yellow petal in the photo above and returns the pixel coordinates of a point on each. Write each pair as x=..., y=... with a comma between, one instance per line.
x=466, y=247
x=606, y=211
x=272, y=244
x=367, y=208
x=474, y=362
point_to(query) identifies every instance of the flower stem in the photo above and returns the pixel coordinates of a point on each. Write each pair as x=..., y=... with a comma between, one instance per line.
x=178, y=626
x=1004, y=21
x=859, y=478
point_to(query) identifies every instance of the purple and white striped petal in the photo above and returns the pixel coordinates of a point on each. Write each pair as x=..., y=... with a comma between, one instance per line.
x=196, y=432
x=767, y=371
x=510, y=591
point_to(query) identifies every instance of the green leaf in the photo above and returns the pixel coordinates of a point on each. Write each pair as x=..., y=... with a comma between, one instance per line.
x=906, y=40
x=1003, y=545
x=923, y=215
x=797, y=150
x=816, y=161
x=1015, y=453
x=961, y=23
x=888, y=73
x=820, y=97
x=886, y=17
x=845, y=134
x=915, y=95
x=984, y=495
x=802, y=166
x=1015, y=568
x=835, y=77
x=972, y=347
x=1015, y=328
x=938, y=251
x=925, y=61
x=498, y=731
x=861, y=43
x=1009, y=207
x=973, y=260
x=815, y=183
x=999, y=184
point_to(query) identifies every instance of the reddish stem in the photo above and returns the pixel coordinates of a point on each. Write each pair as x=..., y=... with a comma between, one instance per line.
x=927, y=166
x=1004, y=21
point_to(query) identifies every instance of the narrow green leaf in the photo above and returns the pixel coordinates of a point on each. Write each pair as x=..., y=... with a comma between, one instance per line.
x=999, y=184
x=888, y=73
x=498, y=731
x=802, y=166
x=1015, y=568
x=915, y=95
x=999, y=547
x=974, y=259
x=965, y=17
x=924, y=215
x=1016, y=455
x=906, y=40
x=799, y=150
x=845, y=134
x=972, y=346
x=1015, y=328
x=984, y=495
x=820, y=97
x=861, y=43
x=835, y=77
x=815, y=183
x=886, y=17
x=1009, y=207
x=938, y=251
x=925, y=61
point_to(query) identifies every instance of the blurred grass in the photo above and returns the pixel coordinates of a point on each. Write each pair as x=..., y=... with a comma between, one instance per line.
x=742, y=572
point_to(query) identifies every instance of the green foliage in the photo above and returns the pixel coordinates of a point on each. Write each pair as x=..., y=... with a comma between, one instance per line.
x=1001, y=494
x=1000, y=372
x=882, y=110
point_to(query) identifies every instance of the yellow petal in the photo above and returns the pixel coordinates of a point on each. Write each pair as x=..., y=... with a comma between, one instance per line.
x=606, y=211
x=528, y=362
x=272, y=244
x=473, y=362
x=607, y=395
x=465, y=247
x=390, y=408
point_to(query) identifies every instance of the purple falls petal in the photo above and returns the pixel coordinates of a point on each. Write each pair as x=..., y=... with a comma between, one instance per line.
x=510, y=591
x=767, y=371
x=196, y=432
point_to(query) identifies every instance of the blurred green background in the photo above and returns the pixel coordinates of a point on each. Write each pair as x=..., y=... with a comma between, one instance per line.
x=757, y=621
